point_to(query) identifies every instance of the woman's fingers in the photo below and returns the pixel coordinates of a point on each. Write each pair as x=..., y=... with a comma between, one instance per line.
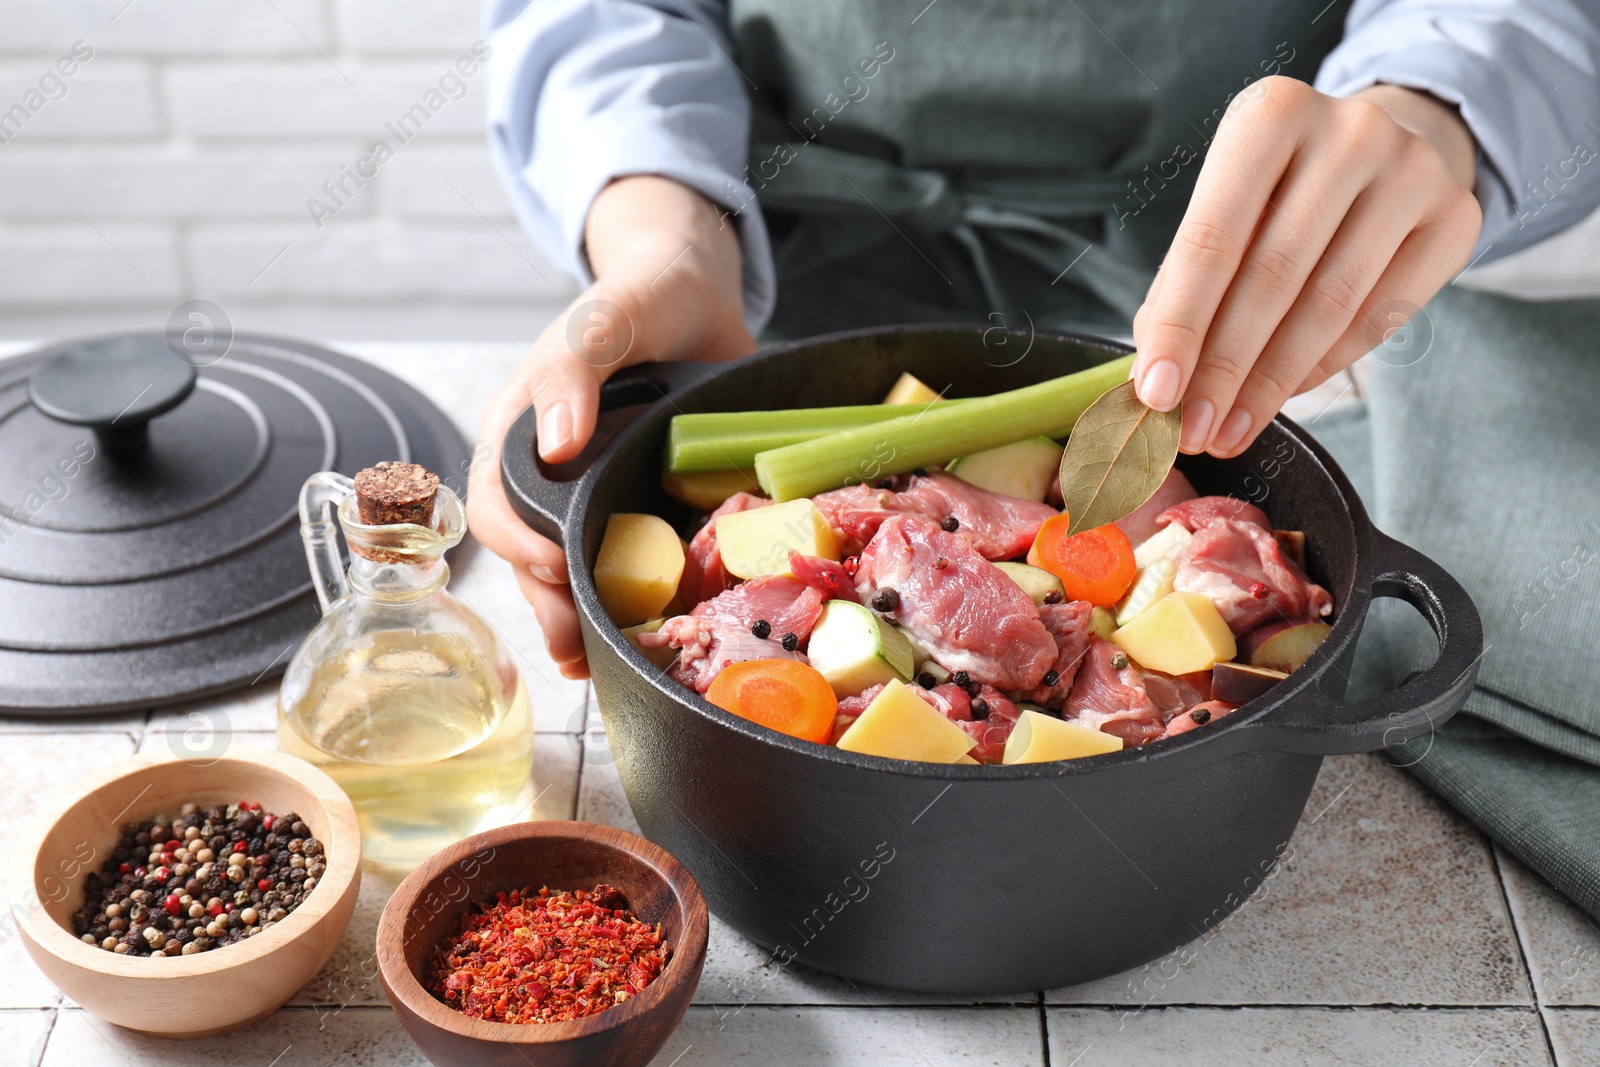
x=1362, y=274
x=489, y=514
x=1408, y=282
x=1253, y=146
x=573, y=357
x=1333, y=295
x=1294, y=234
x=1295, y=242
x=502, y=531
x=558, y=618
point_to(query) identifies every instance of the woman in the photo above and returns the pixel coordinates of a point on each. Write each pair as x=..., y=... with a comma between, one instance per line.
x=1306, y=177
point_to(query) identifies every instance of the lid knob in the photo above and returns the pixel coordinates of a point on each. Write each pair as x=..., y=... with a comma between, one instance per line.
x=114, y=386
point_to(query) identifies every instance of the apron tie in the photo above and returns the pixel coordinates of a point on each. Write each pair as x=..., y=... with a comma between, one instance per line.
x=1015, y=213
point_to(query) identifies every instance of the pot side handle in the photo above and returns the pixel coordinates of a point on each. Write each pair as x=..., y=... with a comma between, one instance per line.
x=543, y=502
x=1313, y=721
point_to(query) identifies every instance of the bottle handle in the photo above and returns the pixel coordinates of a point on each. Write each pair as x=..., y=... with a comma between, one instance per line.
x=320, y=498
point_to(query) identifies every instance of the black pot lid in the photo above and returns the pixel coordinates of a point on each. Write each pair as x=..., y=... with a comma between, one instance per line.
x=149, y=544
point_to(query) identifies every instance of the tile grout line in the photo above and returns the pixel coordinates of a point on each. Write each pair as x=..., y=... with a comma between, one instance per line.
x=1522, y=951
x=583, y=751
x=50, y=1032
x=1549, y=1041
x=1044, y=1029
x=1516, y=921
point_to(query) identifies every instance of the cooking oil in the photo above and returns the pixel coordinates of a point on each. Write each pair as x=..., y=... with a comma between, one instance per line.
x=402, y=693
x=428, y=744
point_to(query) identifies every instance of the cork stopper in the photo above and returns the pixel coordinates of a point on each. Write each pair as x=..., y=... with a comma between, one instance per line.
x=392, y=493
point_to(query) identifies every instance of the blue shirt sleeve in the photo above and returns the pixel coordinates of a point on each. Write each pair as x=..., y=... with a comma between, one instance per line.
x=1526, y=77
x=584, y=91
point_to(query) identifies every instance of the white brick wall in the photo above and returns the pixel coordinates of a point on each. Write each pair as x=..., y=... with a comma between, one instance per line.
x=65, y=264
x=179, y=161
x=159, y=28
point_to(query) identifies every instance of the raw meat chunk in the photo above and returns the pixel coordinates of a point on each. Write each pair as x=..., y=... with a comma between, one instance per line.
x=720, y=630
x=998, y=526
x=1069, y=626
x=958, y=605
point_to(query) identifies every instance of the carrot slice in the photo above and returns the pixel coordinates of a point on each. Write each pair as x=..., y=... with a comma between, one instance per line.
x=780, y=694
x=1096, y=565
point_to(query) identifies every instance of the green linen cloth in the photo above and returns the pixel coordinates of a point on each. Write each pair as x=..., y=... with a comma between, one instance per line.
x=1484, y=453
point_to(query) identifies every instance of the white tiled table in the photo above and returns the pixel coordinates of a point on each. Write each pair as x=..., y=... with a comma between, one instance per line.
x=1395, y=934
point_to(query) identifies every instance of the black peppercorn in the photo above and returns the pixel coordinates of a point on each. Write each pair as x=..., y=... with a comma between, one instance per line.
x=962, y=678
x=950, y=524
x=125, y=909
x=1119, y=661
x=926, y=680
x=1051, y=678
x=790, y=642
x=885, y=601
x=1201, y=715
x=886, y=483
x=980, y=709
x=920, y=472
x=762, y=628
x=1053, y=597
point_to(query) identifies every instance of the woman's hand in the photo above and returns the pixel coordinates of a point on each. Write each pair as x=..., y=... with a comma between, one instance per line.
x=668, y=286
x=1313, y=221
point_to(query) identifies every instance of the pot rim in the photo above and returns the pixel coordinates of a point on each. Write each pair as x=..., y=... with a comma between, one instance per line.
x=1241, y=730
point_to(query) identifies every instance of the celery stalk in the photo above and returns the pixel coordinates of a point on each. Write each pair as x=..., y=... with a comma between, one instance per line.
x=935, y=435
x=729, y=440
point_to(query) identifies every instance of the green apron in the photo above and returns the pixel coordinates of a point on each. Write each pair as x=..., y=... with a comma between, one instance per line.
x=1028, y=162
x=1027, y=159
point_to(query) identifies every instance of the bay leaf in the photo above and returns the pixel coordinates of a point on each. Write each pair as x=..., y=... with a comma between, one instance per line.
x=1117, y=457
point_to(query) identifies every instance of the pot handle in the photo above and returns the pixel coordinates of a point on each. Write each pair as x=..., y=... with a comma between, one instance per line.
x=544, y=502
x=1314, y=721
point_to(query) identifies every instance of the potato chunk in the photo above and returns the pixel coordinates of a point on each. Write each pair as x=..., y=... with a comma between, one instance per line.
x=909, y=389
x=901, y=725
x=759, y=541
x=1179, y=633
x=1040, y=738
x=706, y=489
x=637, y=570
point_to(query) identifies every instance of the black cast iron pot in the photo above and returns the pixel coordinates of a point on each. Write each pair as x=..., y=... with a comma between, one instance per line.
x=981, y=879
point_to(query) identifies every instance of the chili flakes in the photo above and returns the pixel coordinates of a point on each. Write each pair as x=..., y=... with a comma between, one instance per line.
x=545, y=957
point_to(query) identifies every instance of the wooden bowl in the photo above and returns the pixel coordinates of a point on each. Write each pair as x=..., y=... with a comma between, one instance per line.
x=561, y=855
x=207, y=993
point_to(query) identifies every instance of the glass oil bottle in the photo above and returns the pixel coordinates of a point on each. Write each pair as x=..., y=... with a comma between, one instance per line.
x=402, y=693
